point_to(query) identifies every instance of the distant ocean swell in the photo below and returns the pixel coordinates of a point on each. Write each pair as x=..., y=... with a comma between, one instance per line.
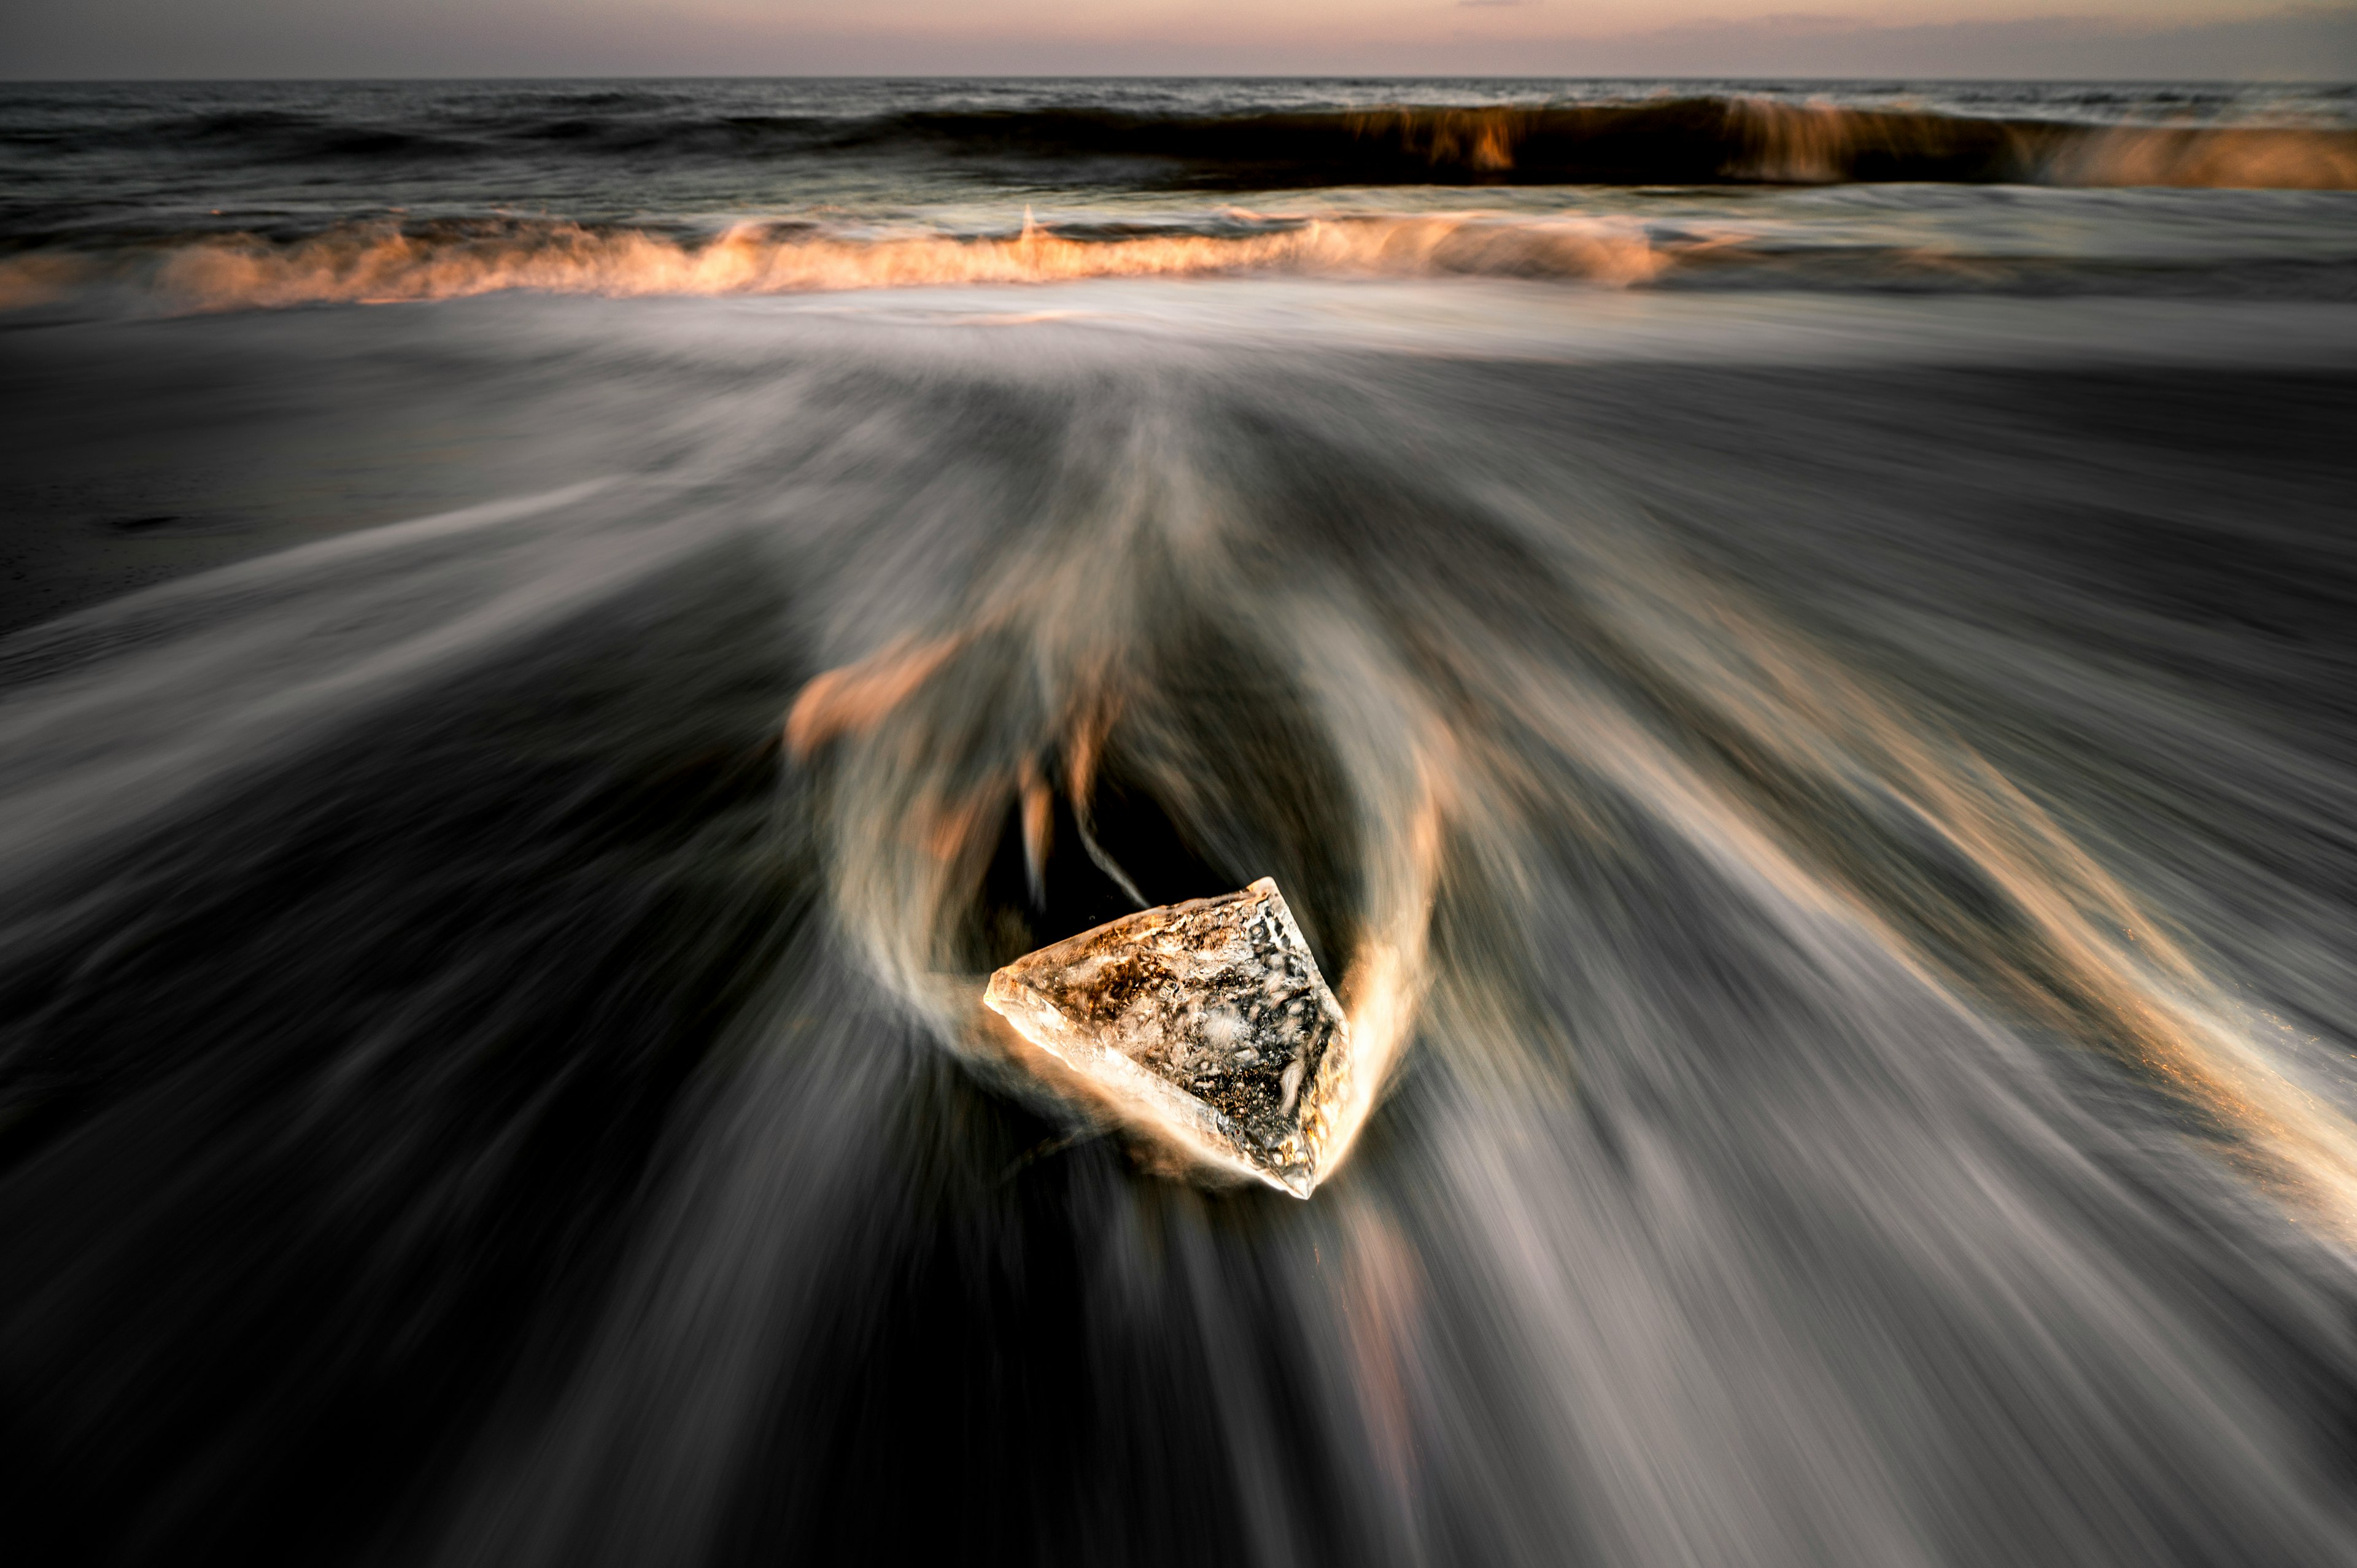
x=1697, y=140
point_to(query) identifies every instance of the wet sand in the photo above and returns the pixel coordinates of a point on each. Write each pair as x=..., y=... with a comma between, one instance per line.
x=1842, y=848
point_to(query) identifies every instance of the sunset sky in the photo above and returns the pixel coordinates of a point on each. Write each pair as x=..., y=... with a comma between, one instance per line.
x=2228, y=39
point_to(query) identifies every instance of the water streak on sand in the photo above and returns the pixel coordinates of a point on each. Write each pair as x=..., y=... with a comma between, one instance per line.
x=1739, y=1043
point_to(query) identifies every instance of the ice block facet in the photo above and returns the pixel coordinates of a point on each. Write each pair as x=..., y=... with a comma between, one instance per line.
x=1206, y=1020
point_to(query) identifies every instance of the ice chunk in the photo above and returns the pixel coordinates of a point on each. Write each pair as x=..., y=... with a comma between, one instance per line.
x=1206, y=1021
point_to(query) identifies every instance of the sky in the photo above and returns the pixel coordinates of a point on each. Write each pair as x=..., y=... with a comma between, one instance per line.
x=2232, y=40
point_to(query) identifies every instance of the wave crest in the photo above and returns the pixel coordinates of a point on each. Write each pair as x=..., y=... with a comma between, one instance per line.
x=376, y=265
x=1685, y=140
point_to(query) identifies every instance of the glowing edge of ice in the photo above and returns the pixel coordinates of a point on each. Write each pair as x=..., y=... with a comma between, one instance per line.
x=1163, y=1108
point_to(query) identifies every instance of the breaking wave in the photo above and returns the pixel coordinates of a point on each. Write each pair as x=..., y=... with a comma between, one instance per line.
x=387, y=263
x=1695, y=141
x=1700, y=139
x=380, y=263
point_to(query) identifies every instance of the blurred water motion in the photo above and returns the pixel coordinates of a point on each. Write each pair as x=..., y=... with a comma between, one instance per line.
x=1828, y=816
